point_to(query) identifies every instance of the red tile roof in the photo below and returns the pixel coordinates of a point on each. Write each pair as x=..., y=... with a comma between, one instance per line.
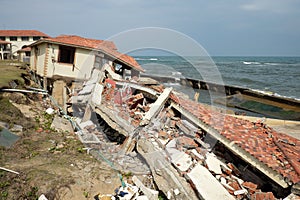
x=82, y=42
x=278, y=151
x=4, y=42
x=107, y=47
x=22, y=33
x=26, y=49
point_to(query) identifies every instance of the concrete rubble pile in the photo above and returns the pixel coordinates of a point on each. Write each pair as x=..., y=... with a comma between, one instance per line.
x=190, y=151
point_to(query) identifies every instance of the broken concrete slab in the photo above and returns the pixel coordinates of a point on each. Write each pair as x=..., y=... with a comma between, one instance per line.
x=42, y=197
x=96, y=96
x=80, y=98
x=165, y=176
x=17, y=128
x=156, y=106
x=138, y=87
x=182, y=161
x=203, y=144
x=14, y=128
x=94, y=77
x=111, y=73
x=190, y=126
x=88, y=138
x=207, y=185
x=213, y=163
x=61, y=124
x=198, y=155
x=87, y=113
x=87, y=89
x=172, y=144
x=82, y=125
x=151, y=194
x=142, y=197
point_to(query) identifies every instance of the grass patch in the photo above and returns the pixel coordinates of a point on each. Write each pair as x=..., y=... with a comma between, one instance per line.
x=9, y=113
x=11, y=73
x=12, y=115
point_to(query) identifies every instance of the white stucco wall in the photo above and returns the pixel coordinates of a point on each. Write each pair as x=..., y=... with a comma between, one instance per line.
x=17, y=45
x=83, y=63
x=40, y=59
x=32, y=59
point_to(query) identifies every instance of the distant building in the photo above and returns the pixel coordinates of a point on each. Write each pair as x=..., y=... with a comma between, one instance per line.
x=5, y=50
x=20, y=38
x=24, y=54
x=70, y=57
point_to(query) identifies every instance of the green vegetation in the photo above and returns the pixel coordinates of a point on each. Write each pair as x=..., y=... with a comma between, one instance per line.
x=86, y=194
x=9, y=113
x=11, y=73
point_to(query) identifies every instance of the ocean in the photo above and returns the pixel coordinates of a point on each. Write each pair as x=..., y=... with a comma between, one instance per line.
x=277, y=75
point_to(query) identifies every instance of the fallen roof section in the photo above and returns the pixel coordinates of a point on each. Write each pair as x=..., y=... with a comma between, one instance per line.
x=274, y=154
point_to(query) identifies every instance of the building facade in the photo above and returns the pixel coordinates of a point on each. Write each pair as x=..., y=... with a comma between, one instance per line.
x=20, y=38
x=5, y=50
x=74, y=57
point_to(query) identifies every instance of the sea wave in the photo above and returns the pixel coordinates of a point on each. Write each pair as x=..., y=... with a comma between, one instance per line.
x=153, y=59
x=273, y=64
x=251, y=63
x=270, y=93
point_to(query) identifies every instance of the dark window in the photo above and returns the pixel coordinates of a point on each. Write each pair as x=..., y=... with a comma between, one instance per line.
x=13, y=38
x=25, y=38
x=36, y=38
x=2, y=38
x=27, y=53
x=66, y=54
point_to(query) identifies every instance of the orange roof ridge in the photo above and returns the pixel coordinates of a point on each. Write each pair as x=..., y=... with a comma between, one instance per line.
x=22, y=33
x=106, y=46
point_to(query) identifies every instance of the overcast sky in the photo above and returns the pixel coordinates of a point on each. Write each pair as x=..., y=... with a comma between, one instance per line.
x=230, y=27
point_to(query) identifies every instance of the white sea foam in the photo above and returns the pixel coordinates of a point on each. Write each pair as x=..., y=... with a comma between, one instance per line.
x=176, y=73
x=251, y=63
x=273, y=64
x=153, y=59
x=270, y=93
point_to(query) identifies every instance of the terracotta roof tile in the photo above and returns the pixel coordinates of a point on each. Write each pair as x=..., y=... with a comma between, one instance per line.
x=278, y=151
x=83, y=42
x=25, y=49
x=107, y=47
x=22, y=33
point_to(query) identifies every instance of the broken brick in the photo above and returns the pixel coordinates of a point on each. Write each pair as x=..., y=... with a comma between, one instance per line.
x=187, y=142
x=250, y=186
x=263, y=196
x=235, y=185
x=163, y=134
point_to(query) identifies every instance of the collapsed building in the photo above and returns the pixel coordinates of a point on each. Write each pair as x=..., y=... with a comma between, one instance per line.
x=190, y=150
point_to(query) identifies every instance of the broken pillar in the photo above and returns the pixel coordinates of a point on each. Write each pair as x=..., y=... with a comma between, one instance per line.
x=59, y=93
x=156, y=106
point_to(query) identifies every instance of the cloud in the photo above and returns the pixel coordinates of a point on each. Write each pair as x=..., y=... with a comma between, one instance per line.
x=273, y=6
